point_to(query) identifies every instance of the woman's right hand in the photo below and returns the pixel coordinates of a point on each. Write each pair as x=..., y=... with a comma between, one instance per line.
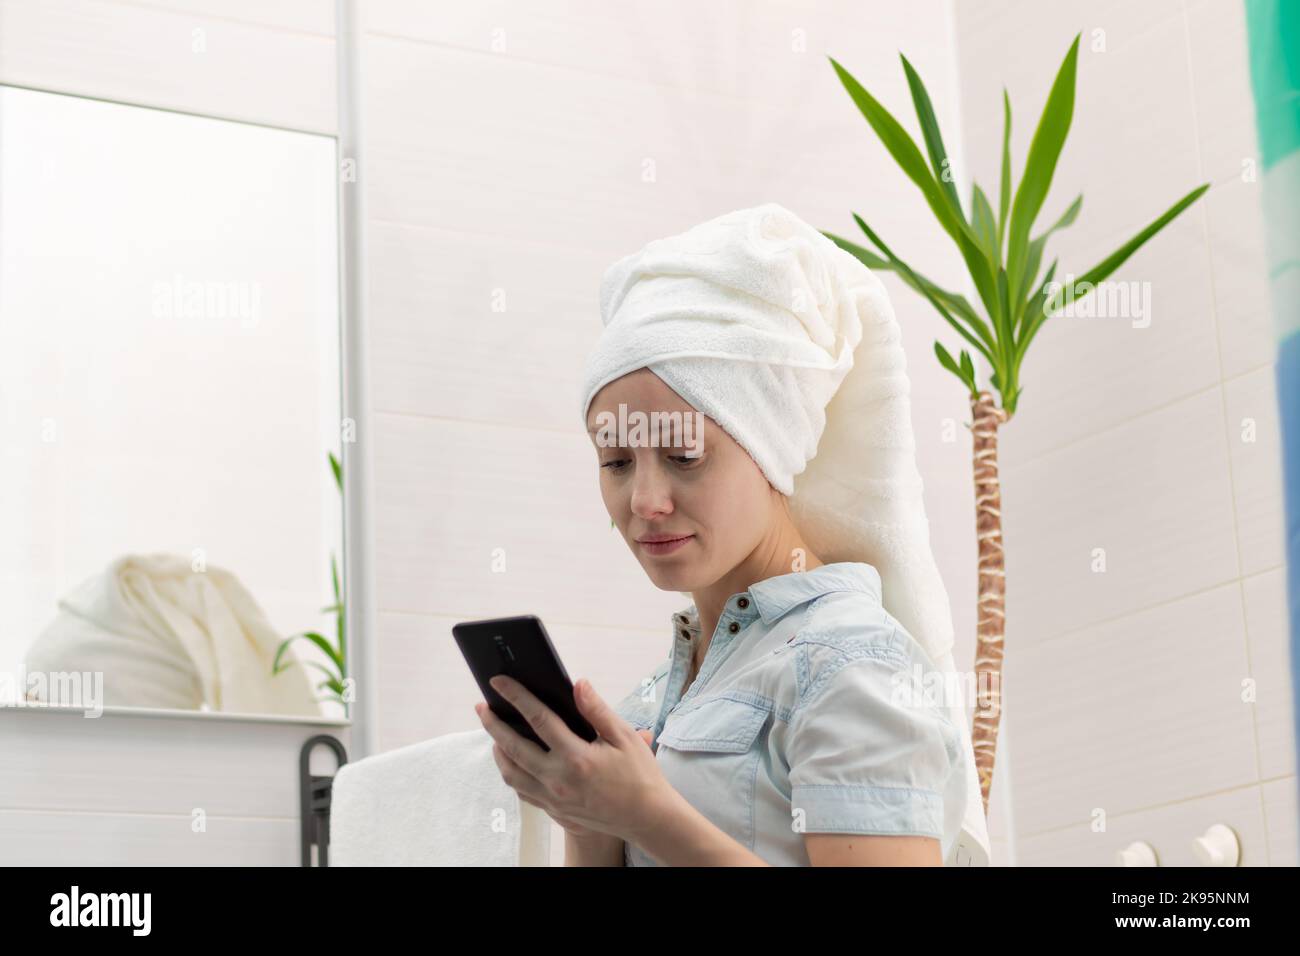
x=577, y=830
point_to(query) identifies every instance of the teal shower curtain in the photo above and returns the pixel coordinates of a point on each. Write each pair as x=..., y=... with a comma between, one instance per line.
x=1273, y=28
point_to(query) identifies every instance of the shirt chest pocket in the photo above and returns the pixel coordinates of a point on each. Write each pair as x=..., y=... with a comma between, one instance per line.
x=710, y=754
x=716, y=725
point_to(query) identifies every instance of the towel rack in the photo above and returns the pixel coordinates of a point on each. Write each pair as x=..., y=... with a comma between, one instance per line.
x=314, y=795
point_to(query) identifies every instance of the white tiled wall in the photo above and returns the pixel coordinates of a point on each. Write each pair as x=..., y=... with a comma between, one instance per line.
x=197, y=790
x=1124, y=688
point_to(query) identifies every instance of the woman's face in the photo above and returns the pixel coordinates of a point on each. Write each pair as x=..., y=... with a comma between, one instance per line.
x=715, y=497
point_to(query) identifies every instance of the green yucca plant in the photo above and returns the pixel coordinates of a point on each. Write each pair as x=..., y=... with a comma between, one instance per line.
x=1004, y=262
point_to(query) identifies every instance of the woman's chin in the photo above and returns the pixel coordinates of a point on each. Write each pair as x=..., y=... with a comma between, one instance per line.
x=669, y=579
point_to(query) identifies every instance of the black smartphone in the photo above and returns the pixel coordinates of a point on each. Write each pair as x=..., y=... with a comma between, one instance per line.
x=519, y=647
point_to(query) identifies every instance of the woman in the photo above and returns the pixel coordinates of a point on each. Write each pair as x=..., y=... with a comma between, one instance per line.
x=788, y=725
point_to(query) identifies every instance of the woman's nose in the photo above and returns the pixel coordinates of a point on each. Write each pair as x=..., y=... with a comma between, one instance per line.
x=651, y=493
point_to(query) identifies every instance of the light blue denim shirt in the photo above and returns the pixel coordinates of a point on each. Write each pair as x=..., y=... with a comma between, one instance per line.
x=807, y=716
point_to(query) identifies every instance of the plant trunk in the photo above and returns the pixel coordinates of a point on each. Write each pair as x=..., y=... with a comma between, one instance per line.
x=991, y=624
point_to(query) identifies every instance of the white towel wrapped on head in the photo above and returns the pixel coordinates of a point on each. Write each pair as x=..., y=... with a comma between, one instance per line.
x=790, y=344
x=747, y=320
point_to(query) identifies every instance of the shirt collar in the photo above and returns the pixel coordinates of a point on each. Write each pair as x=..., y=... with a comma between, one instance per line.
x=776, y=596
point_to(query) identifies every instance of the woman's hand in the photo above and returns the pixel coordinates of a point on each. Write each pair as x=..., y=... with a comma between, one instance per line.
x=572, y=827
x=601, y=788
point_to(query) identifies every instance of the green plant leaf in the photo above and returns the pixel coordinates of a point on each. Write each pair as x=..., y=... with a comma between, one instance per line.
x=1037, y=304
x=1040, y=164
x=1035, y=258
x=316, y=639
x=1004, y=197
x=279, y=653
x=968, y=367
x=1037, y=307
x=986, y=227
x=322, y=668
x=1047, y=279
x=908, y=156
x=939, y=161
x=946, y=360
x=1004, y=314
x=951, y=300
x=1010, y=401
x=339, y=656
x=340, y=628
x=961, y=330
x=901, y=146
x=1079, y=287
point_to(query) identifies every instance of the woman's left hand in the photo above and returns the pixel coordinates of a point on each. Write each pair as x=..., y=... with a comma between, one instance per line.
x=611, y=785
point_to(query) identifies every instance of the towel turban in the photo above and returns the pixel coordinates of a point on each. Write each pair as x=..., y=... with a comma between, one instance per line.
x=790, y=344
x=752, y=318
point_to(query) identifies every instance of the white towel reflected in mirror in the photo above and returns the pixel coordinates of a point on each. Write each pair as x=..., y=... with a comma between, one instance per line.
x=165, y=635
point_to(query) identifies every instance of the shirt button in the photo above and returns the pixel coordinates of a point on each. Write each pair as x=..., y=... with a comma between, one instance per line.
x=733, y=627
x=743, y=602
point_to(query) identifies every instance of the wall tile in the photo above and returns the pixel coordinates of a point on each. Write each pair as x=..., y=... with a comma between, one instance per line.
x=1130, y=714
x=1268, y=629
x=1255, y=444
x=1281, y=815
x=1170, y=830
x=148, y=56
x=1153, y=493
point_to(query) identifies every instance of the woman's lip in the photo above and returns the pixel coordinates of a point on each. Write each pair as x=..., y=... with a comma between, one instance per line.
x=665, y=547
x=676, y=537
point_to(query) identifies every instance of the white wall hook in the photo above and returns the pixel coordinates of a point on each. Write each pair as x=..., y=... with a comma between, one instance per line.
x=1138, y=853
x=1218, y=846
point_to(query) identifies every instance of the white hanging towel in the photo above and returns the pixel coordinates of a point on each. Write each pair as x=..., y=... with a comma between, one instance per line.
x=439, y=802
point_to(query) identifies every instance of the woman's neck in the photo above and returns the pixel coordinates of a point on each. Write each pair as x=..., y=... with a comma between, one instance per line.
x=763, y=563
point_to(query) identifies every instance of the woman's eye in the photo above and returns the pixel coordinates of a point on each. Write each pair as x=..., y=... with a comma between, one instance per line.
x=682, y=461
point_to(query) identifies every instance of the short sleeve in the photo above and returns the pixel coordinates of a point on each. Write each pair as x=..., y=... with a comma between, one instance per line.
x=870, y=753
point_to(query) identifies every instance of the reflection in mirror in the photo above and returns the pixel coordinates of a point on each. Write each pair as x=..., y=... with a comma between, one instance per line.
x=169, y=380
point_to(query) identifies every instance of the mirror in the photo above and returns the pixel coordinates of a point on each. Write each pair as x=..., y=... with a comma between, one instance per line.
x=170, y=385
